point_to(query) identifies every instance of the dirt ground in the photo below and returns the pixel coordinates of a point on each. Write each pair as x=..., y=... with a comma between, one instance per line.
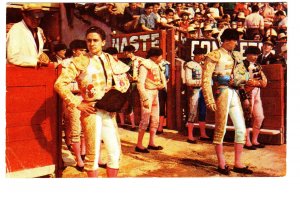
x=181, y=159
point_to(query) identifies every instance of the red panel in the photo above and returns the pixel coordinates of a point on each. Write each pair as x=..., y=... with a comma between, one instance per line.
x=25, y=99
x=28, y=154
x=25, y=118
x=31, y=118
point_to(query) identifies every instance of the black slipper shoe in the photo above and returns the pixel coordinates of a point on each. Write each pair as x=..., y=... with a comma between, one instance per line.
x=79, y=168
x=250, y=147
x=225, y=171
x=191, y=141
x=145, y=150
x=155, y=147
x=259, y=145
x=159, y=132
x=102, y=165
x=243, y=170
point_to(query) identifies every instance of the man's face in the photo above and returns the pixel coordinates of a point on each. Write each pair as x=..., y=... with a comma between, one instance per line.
x=78, y=52
x=252, y=57
x=149, y=10
x=94, y=43
x=267, y=48
x=31, y=21
x=230, y=44
x=61, y=53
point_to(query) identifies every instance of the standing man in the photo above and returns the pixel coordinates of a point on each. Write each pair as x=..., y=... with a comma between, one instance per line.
x=226, y=69
x=151, y=79
x=252, y=104
x=254, y=23
x=134, y=64
x=197, y=108
x=24, y=41
x=96, y=73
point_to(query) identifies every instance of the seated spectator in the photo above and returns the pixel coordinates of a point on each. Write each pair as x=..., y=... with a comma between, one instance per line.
x=193, y=10
x=207, y=32
x=282, y=21
x=168, y=22
x=215, y=33
x=241, y=33
x=131, y=17
x=257, y=37
x=185, y=22
x=282, y=37
x=271, y=33
x=267, y=57
x=148, y=20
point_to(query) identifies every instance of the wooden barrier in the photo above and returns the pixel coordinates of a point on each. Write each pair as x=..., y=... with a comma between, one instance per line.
x=32, y=145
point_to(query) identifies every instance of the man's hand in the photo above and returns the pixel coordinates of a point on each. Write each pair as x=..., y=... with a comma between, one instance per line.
x=253, y=83
x=86, y=108
x=212, y=107
x=146, y=104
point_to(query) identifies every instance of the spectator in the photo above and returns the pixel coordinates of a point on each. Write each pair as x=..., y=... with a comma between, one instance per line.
x=282, y=21
x=150, y=81
x=282, y=37
x=197, y=108
x=207, y=32
x=168, y=22
x=268, y=13
x=131, y=17
x=254, y=23
x=252, y=104
x=148, y=20
x=267, y=57
x=193, y=10
x=24, y=41
x=257, y=37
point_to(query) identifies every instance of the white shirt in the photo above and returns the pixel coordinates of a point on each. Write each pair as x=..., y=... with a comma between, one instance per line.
x=20, y=45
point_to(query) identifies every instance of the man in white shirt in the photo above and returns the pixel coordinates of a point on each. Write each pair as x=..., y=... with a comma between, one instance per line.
x=24, y=41
x=254, y=23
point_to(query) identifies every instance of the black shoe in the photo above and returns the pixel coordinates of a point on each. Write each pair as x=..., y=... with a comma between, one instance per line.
x=155, y=147
x=159, y=132
x=79, y=168
x=133, y=128
x=250, y=147
x=225, y=171
x=243, y=170
x=102, y=165
x=259, y=145
x=205, y=139
x=82, y=157
x=145, y=150
x=191, y=141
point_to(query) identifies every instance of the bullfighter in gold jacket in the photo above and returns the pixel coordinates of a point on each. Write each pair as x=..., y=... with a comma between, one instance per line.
x=96, y=73
x=226, y=69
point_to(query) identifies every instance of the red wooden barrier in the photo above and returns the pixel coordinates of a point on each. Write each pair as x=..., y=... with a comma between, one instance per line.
x=31, y=122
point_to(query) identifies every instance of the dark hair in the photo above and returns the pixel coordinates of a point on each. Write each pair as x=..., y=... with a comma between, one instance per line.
x=98, y=30
x=147, y=5
x=129, y=48
x=255, y=8
x=252, y=50
x=199, y=50
x=78, y=44
x=279, y=13
x=230, y=34
x=168, y=11
x=111, y=50
x=59, y=47
x=154, y=52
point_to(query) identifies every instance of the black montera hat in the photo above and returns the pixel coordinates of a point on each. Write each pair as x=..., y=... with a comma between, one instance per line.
x=230, y=34
x=198, y=51
x=78, y=44
x=252, y=50
x=154, y=52
x=59, y=47
x=111, y=50
x=129, y=48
